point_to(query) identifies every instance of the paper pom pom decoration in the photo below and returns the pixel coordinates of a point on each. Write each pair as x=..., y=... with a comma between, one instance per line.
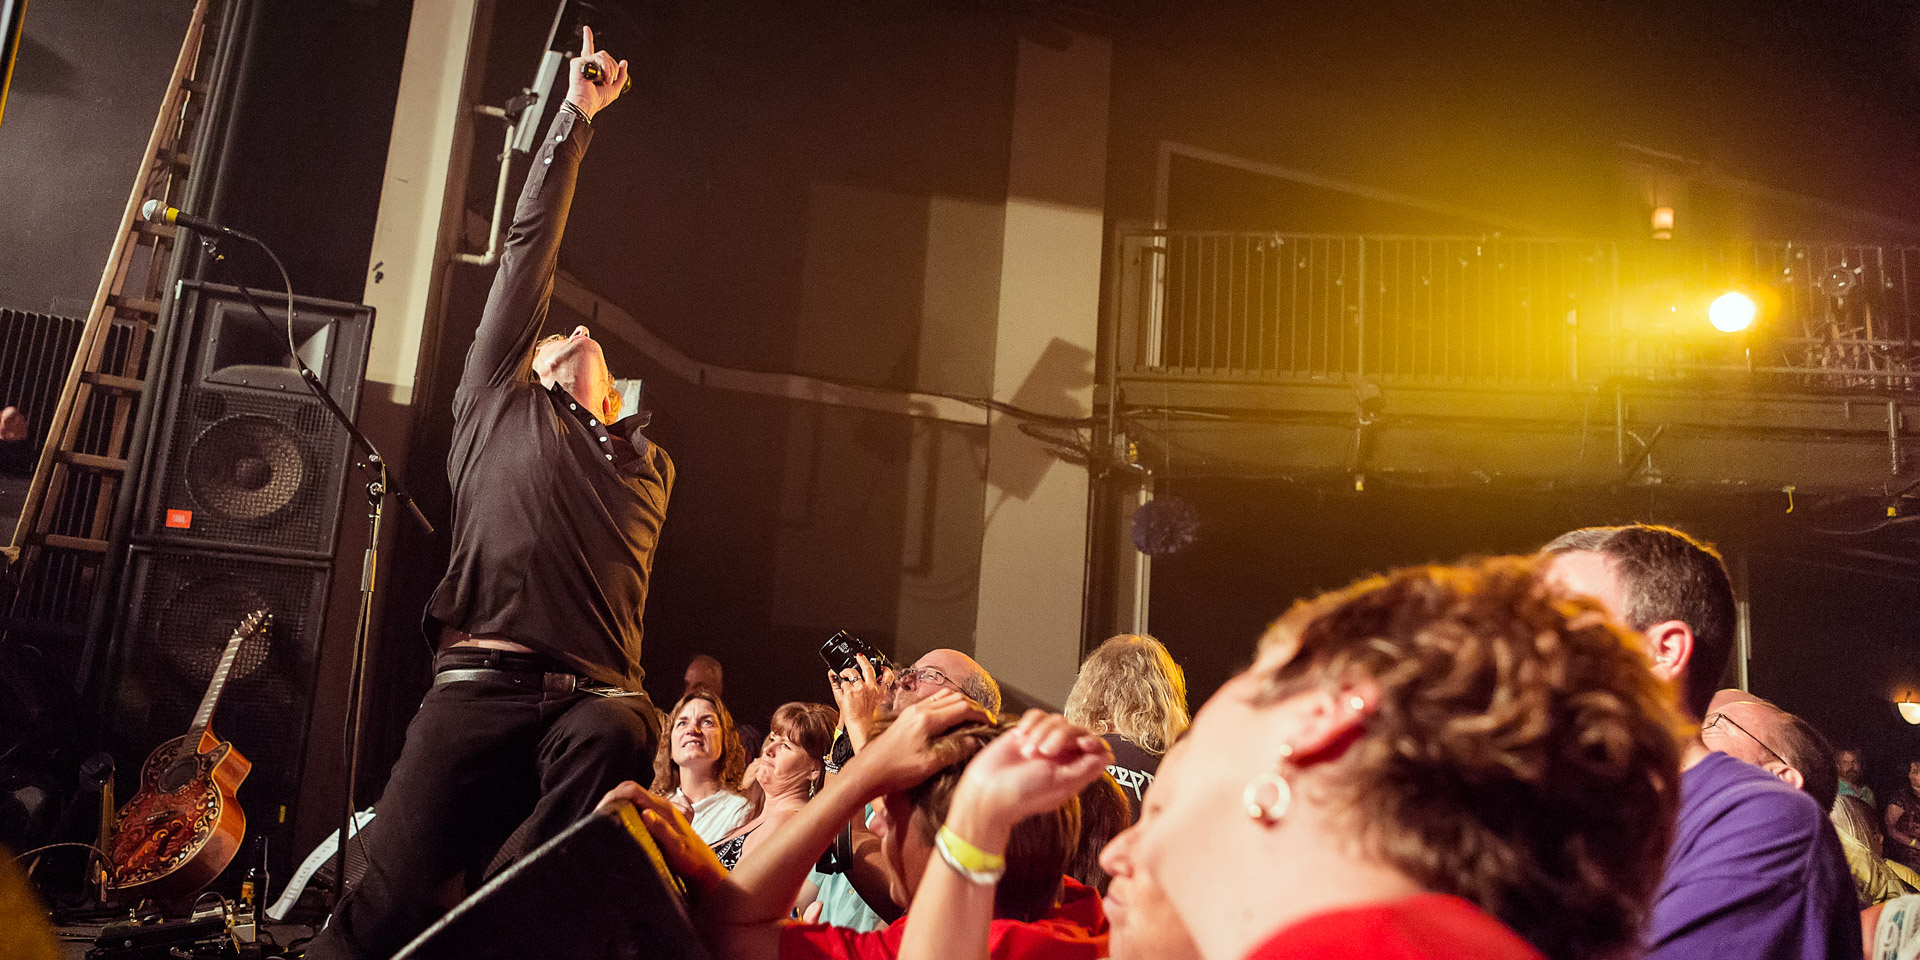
x=1164, y=526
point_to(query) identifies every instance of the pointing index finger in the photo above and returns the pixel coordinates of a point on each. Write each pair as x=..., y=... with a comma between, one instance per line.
x=586, y=40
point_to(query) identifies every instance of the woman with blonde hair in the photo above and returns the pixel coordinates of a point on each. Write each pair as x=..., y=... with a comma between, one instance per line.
x=699, y=764
x=1134, y=696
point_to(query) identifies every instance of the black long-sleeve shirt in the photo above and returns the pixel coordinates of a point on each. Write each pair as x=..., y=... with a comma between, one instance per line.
x=555, y=516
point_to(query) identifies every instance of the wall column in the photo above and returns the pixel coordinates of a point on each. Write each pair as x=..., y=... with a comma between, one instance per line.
x=1033, y=553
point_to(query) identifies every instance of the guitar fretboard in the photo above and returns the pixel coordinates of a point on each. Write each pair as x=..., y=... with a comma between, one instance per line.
x=253, y=624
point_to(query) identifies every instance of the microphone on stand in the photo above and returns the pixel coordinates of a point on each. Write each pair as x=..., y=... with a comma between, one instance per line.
x=156, y=211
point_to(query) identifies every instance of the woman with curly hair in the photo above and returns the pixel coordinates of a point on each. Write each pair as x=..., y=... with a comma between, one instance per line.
x=1441, y=762
x=699, y=764
x=1131, y=693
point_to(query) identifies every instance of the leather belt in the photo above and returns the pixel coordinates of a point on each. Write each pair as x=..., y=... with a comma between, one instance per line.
x=546, y=682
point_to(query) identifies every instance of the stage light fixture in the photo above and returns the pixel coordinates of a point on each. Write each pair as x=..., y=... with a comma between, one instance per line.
x=1663, y=223
x=1732, y=313
x=1909, y=710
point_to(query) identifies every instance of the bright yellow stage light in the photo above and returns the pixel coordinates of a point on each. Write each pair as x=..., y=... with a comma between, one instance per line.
x=1731, y=312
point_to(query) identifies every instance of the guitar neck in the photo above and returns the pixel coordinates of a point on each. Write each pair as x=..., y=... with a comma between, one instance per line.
x=204, y=716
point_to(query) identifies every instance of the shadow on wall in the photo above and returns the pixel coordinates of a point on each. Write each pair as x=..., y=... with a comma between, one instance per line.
x=1050, y=399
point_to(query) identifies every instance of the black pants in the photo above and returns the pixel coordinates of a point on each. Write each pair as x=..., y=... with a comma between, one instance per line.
x=490, y=768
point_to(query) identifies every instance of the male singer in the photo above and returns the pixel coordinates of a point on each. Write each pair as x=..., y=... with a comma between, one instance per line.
x=536, y=708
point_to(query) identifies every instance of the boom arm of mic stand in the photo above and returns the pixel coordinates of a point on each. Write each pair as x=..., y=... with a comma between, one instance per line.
x=390, y=483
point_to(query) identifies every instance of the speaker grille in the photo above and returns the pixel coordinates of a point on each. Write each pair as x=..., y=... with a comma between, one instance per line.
x=252, y=477
x=245, y=468
x=184, y=606
x=249, y=459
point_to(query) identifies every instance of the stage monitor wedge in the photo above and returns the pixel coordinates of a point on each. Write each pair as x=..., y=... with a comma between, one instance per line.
x=598, y=891
x=246, y=457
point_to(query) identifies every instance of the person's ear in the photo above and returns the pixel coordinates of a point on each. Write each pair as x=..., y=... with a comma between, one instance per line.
x=1328, y=718
x=1787, y=775
x=1670, y=648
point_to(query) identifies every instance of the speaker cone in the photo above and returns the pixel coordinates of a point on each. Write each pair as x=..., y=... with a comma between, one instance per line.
x=245, y=467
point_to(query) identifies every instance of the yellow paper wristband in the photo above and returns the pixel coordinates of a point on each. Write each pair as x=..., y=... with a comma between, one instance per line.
x=968, y=860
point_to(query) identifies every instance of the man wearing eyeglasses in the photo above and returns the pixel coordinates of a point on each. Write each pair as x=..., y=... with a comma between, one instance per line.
x=1748, y=728
x=853, y=893
x=1755, y=869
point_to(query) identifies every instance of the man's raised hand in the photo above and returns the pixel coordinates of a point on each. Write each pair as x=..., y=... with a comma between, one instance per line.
x=904, y=754
x=860, y=694
x=591, y=95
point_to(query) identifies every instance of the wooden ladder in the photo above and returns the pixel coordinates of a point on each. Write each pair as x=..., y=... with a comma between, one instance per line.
x=91, y=426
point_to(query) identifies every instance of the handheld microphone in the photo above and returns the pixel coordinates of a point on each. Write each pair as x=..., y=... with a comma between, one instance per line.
x=591, y=72
x=156, y=211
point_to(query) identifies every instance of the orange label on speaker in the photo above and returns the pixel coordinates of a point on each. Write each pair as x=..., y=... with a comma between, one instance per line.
x=180, y=519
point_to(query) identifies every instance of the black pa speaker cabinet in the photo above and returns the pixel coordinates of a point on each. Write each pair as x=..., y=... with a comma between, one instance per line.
x=181, y=607
x=598, y=891
x=245, y=457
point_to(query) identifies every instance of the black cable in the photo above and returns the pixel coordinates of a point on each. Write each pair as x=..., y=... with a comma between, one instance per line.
x=102, y=854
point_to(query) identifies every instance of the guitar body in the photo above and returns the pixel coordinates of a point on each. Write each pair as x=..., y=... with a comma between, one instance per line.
x=183, y=826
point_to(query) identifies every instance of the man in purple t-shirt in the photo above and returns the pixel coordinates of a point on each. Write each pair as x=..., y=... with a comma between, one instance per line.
x=1756, y=870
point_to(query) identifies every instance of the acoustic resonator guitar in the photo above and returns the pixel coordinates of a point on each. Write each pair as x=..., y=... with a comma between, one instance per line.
x=183, y=826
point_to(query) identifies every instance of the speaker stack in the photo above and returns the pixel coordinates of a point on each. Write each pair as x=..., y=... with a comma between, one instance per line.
x=239, y=510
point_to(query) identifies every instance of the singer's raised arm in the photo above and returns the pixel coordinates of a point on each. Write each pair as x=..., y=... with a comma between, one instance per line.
x=517, y=305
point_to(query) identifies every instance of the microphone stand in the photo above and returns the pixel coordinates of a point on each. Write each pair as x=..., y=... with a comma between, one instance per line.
x=379, y=485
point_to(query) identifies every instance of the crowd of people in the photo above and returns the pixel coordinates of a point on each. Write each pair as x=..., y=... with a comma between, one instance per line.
x=1512, y=757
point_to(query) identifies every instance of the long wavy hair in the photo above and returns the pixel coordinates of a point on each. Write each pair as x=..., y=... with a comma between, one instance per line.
x=1132, y=687
x=727, y=767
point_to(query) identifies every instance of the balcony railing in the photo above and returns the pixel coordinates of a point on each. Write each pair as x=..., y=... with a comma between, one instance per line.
x=1491, y=312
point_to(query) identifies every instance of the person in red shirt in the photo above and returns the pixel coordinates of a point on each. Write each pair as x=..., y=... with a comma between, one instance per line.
x=1444, y=762
x=911, y=768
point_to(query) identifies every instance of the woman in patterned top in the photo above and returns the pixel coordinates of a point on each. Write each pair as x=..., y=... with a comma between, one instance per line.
x=790, y=771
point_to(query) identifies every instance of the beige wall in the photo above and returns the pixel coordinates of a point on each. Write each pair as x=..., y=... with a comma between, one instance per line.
x=1032, y=556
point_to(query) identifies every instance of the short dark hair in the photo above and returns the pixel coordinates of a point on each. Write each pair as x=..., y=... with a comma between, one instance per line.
x=809, y=725
x=1668, y=575
x=1038, y=849
x=711, y=665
